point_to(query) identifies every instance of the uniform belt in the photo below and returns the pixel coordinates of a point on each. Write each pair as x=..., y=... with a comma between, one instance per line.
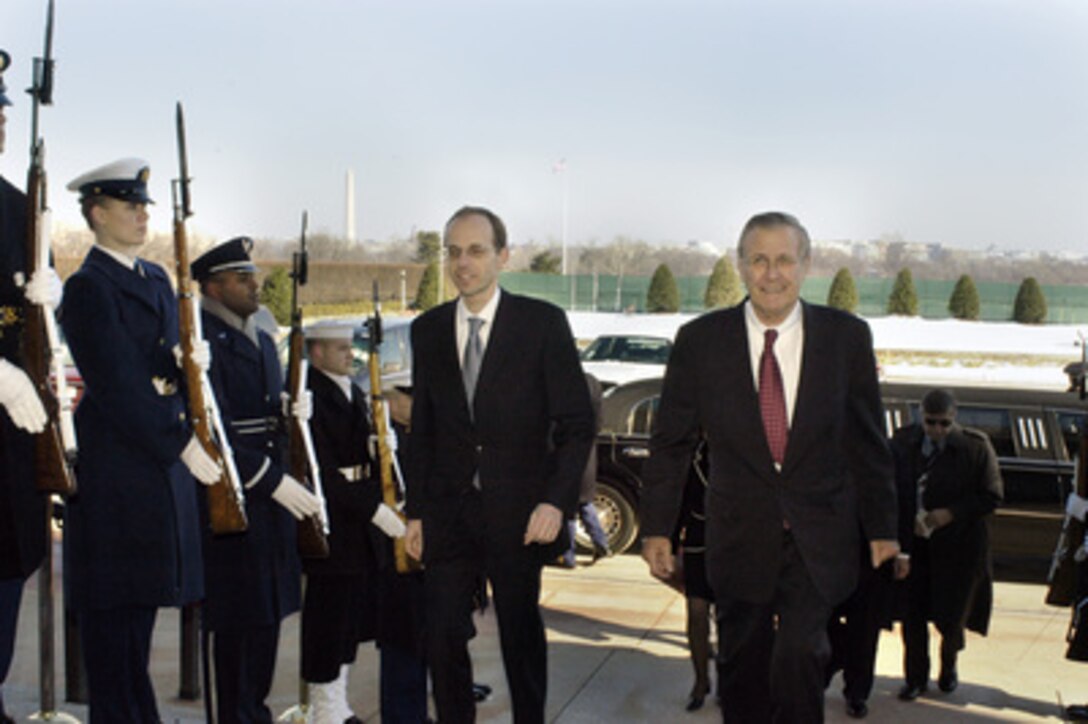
x=355, y=473
x=256, y=425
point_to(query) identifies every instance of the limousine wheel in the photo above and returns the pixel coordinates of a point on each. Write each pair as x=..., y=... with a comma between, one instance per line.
x=618, y=519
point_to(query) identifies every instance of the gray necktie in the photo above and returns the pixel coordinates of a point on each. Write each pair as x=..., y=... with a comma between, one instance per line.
x=474, y=352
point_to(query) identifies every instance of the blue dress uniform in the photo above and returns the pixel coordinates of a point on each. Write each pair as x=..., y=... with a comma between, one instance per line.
x=22, y=508
x=252, y=578
x=132, y=539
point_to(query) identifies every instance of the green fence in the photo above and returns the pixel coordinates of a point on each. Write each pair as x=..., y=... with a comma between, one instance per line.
x=608, y=293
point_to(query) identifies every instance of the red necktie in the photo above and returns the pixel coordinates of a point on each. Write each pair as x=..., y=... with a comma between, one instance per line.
x=772, y=399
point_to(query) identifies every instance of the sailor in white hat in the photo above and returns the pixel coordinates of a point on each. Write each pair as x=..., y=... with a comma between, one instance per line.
x=132, y=535
x=340, y=609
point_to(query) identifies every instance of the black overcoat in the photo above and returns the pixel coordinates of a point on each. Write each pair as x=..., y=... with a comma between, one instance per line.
x=964, y=478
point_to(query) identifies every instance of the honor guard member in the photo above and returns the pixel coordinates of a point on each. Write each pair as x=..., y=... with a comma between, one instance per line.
x=22, y=508
x=132, y=538
x=252, y=578
x=340, y=607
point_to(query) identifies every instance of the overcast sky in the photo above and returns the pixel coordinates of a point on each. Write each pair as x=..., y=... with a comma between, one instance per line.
x=963, y=122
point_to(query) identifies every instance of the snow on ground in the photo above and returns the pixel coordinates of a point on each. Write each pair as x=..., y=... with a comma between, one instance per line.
x=968, y=344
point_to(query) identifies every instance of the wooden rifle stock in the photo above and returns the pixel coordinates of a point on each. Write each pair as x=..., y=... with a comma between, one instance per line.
x=379, y=410
x=226, y=501
x=41, y=347
x=1062, y=579
x=302, y=462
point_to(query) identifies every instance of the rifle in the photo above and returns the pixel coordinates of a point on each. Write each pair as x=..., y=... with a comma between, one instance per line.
x=1062, y=578
x=42, y=351
x=302, y=461
x=226, y=501
x=379, y=410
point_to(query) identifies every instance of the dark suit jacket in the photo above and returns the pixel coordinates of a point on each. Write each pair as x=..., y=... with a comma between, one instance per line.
x=132, y=534
x=837, y=459
x=529, y=435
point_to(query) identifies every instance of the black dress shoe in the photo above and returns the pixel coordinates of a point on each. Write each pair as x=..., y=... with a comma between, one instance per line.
x=910, y=692
x=856, y=708
x=599, y=553
x=481, y=692
x=695, y=703
x=948, y=681
x=1077, y=712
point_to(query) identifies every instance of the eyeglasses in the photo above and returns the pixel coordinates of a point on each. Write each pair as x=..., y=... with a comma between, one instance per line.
x=938, y=422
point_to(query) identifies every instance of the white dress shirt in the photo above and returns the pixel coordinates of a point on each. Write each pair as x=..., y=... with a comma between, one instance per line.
x=787, y=349
x=460, y=319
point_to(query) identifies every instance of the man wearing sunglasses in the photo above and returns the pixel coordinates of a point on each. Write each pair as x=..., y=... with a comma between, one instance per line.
x=953, y=471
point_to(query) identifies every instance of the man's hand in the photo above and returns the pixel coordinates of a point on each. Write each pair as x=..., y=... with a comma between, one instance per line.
x=544, y=524
x=296, y=498
x=902, y=566
x=387, y=521
x=883, y=550
x=203, y=467
x=938, y=518
x=19, y=397
x=413, y=539
x=657, y=551
x=44, y=288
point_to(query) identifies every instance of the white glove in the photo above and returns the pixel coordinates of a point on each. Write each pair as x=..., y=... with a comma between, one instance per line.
x=18, y=396
x=44, y=288
x=390, y=441
x=294, y=496
x=202, y=355
x=1076, y=506
x=389, y=522
x=302, y=408
x=200, y=464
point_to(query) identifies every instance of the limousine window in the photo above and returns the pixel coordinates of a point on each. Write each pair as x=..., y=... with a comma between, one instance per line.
x=1071, y=425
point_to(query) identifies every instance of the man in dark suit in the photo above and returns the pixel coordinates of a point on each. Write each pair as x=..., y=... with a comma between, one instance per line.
x=501, y=429
x=132, y=532
x=785, y=394
x=252, y=578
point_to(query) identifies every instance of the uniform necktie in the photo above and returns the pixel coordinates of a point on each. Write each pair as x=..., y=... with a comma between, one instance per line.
x=772, y=399
x=470, y=364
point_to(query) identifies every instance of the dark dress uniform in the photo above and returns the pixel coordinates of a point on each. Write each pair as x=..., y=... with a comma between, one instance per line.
x=22, y=508
x=132, y=540
x=340, y=607
x=951, y=576
x=252, y=578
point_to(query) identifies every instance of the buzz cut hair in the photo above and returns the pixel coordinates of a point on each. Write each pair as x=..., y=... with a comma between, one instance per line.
x=498, y=229
x=771, y=220
x=938, y=401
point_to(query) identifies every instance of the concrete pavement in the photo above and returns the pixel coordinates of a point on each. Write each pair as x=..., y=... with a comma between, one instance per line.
x=617, y=653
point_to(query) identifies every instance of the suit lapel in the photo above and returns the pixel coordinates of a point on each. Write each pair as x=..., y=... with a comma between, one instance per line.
x=447, y=365
x=500, y=342
x=807, y=403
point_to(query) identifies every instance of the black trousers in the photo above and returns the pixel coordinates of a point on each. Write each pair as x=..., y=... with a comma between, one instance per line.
x=854, y=629
x=449, y=589
x=245, y=660
x=916, y=621
x=333, y=624
x=116, y=650
x=769, y=673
